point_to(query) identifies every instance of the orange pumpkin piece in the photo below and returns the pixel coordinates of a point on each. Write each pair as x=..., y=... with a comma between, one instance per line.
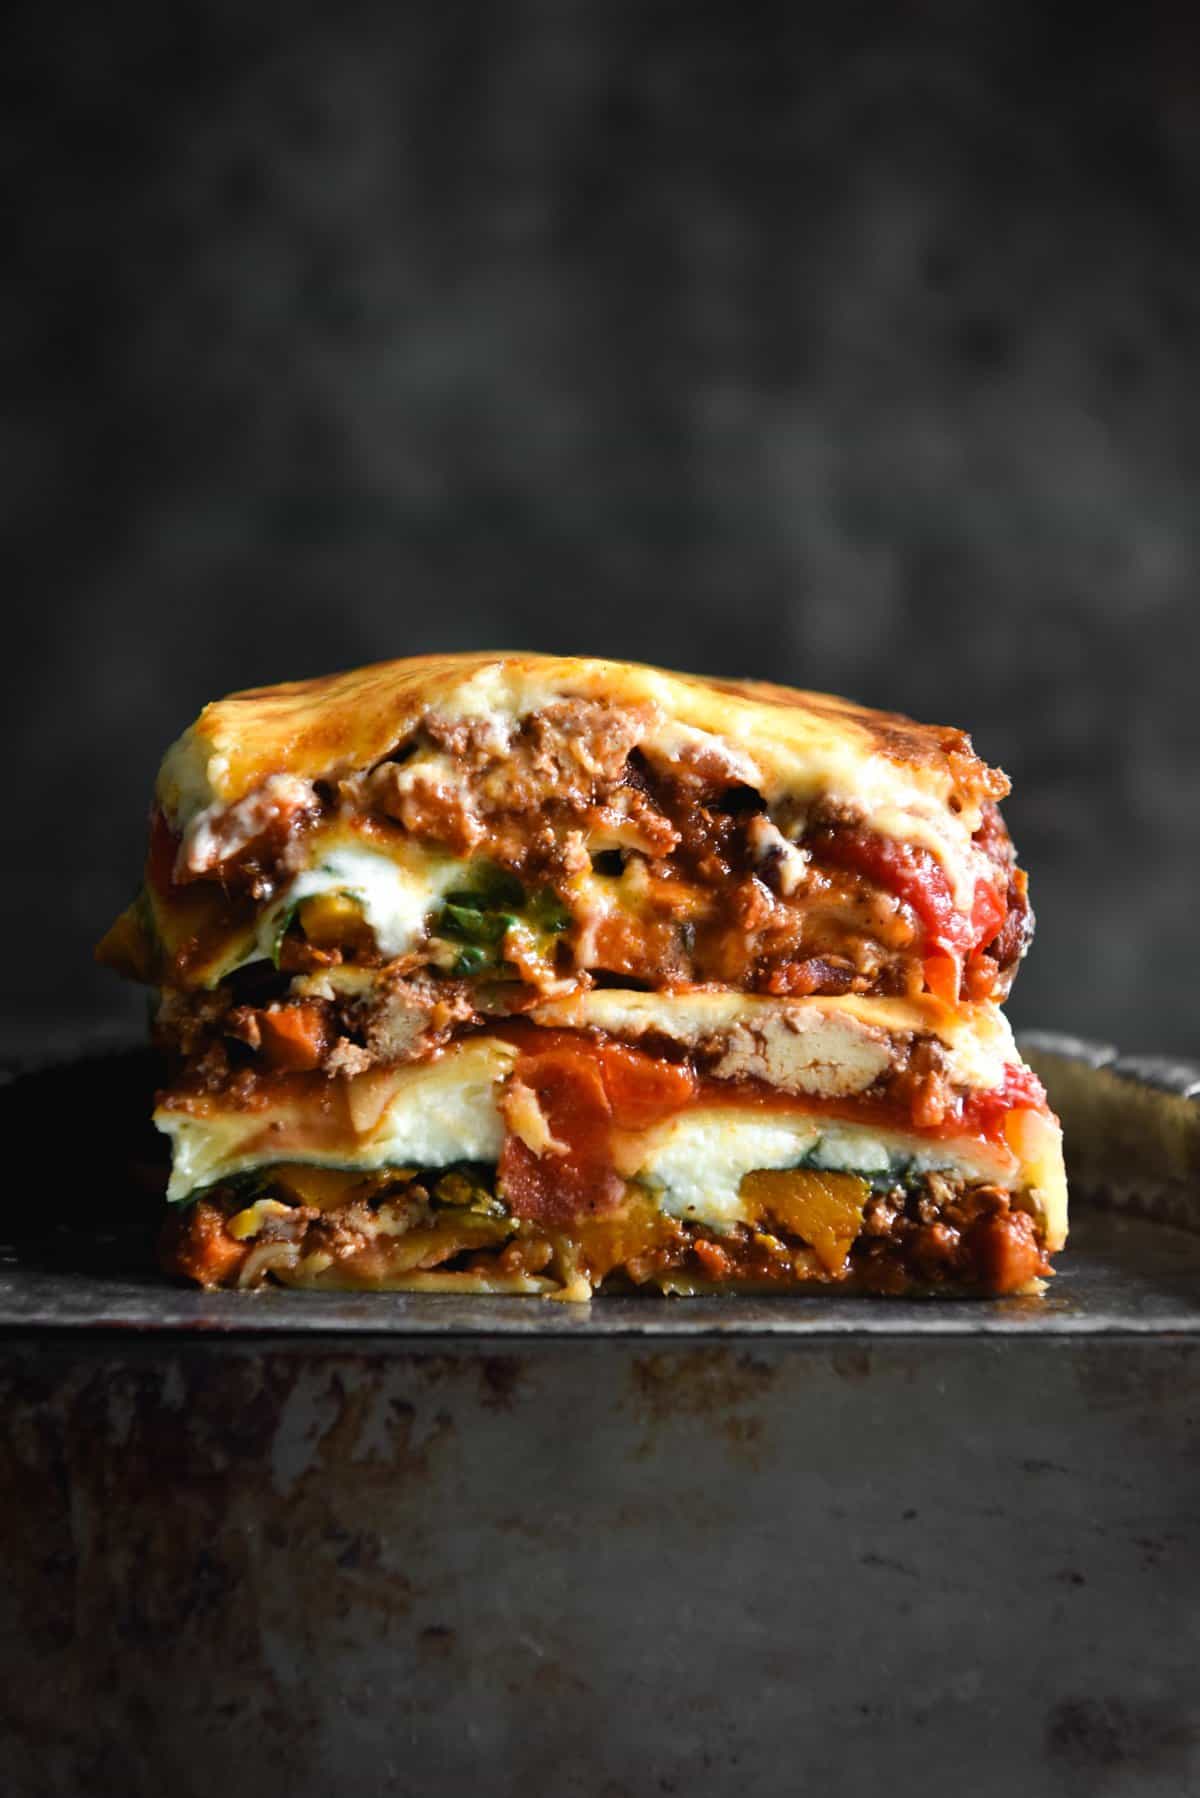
x=608, y=1242
x=824, y=1209
x=329, y=1188
x=335, y=921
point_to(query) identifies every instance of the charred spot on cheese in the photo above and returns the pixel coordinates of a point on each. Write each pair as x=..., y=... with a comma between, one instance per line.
x=327, y=729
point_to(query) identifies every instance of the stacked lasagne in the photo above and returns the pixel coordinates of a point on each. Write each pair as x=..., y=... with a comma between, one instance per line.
x=522, y=974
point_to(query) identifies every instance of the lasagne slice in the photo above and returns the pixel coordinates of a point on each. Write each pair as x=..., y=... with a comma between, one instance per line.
x=517, y=973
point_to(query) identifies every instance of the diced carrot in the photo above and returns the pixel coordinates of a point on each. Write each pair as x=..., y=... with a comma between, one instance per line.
x=942, y=976
x=712, y=1258
x=980, y=978
x=197, y=1245
x=294, y=1037
x=641, y=947
x=1007, y=1252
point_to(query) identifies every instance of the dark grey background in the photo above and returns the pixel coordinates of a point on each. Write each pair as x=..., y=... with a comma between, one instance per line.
x=853, y=346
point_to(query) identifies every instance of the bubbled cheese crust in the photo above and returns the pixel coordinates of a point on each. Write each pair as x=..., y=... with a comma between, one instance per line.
x=919, y=781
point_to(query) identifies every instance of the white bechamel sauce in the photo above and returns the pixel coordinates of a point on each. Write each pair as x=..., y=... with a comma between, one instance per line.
x=395, y=893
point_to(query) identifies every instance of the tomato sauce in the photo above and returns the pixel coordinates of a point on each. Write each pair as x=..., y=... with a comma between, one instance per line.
x=984, y=1114
x=916, y=877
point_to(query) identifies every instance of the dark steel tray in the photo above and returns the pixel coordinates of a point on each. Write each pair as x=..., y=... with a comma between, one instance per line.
x=294, y=1543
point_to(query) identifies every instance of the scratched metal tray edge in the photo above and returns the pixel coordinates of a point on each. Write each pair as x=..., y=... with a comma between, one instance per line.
x=1133, y=1133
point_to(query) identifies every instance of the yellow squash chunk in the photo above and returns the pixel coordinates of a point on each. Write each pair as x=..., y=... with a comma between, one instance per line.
x=326, y=1188
x=334, y=921
x=608, y=1242
x=824, y=1210
x=245, y=1224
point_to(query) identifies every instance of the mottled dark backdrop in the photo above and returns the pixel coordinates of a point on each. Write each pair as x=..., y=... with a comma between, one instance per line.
x=854, y=346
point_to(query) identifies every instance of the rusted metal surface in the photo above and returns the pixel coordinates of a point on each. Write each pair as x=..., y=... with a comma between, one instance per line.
x=541, y=1568
x=303, y=1545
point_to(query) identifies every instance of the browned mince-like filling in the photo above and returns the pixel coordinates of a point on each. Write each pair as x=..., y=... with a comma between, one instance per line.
x=914, y=1090
x=249, y=1030
x=723, y=897
x=939, y=1234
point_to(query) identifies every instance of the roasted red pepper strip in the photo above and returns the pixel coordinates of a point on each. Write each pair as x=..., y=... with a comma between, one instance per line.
x=585, y=1090
x=578, y=1178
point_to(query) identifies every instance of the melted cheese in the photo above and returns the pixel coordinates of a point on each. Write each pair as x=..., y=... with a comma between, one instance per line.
x=396, y=887
x=396, y=890
x=427, y=1116
x=217, y=832
x=919, y=783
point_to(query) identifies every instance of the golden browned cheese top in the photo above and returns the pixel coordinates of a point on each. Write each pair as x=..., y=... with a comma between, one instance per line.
x=795, y=742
